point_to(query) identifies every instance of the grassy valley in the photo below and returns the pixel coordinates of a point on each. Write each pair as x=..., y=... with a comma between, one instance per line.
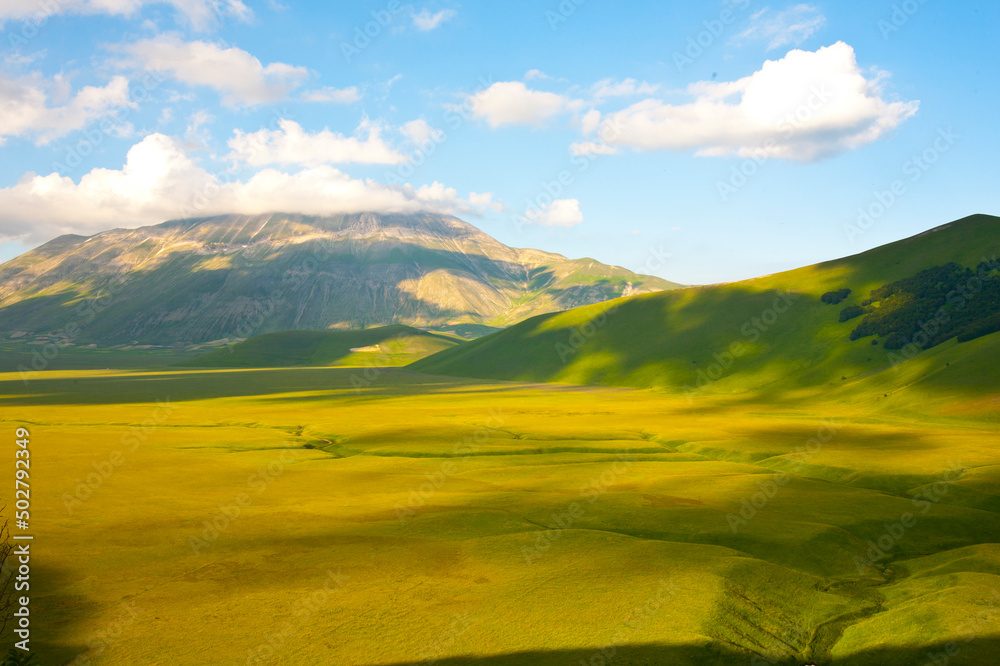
x=381, y=346
x=618, y=483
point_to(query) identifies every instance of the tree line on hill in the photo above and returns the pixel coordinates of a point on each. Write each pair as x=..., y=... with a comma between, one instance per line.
x=928, y=308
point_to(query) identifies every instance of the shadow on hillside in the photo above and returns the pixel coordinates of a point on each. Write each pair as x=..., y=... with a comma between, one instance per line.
x=975, y=652
x=309, y=348
x=187, y=385
x=304, y=286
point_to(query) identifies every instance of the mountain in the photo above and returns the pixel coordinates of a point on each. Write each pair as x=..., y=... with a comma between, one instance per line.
x=831, y=323
x=382, y=346
x=236, y=276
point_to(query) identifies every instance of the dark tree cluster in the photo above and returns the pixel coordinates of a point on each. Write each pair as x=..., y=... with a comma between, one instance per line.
x=931, y=307
x=835, y=297
x=852, y=311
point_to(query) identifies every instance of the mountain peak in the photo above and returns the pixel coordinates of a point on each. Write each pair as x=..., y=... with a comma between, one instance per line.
x=232, y=276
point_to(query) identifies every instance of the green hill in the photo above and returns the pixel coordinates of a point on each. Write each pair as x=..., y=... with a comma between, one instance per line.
x=767, y=334
x=382, y=346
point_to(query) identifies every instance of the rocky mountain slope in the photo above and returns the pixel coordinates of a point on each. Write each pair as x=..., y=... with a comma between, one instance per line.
x=236, y=276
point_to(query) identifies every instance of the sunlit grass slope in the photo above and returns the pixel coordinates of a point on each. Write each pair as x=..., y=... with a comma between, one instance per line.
x=382, y=346
x=763, y=335
x=292, y=516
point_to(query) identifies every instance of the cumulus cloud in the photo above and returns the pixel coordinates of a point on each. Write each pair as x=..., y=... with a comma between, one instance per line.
x=484, y=201
x=238, y=76
x=333, y=95
x=419, y=132
x=199, y=14
x=789, y=27
x=159, y=181
x=513, y=103
x=803, y=107
x=559, y=213
x=425, y=21
x=610, y=88
x=290, y=144
x=25, y=109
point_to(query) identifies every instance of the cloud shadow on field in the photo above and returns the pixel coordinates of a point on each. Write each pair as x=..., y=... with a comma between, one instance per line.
x=183, y=385
x=716, y=654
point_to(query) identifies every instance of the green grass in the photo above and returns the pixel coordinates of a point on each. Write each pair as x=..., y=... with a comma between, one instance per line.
x=477, y=470
x=500, y=523
x=381, y=346
x=686, y=338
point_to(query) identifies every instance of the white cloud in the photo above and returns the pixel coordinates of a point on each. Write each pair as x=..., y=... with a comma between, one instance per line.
x=804, y=107
x=197, y=135
x=290, y=144
x=559, y=213
x=590, y=121
x=533, y=74
x=235, y=74
x=513, y=103
x=789, y=27
x=25, y=109
x=199, y=14
x=425, y=21
x=333, y=95
x=18, y=59
x=419, y=132
x=484, y=201
x=160, y=182
x=626, y=88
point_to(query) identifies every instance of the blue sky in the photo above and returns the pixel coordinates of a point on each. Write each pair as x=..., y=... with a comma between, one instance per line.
x=699, y=141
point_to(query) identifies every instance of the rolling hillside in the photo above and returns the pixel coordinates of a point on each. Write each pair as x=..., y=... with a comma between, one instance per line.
x=236, y=276
x=766, y=334
x=382, y=346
